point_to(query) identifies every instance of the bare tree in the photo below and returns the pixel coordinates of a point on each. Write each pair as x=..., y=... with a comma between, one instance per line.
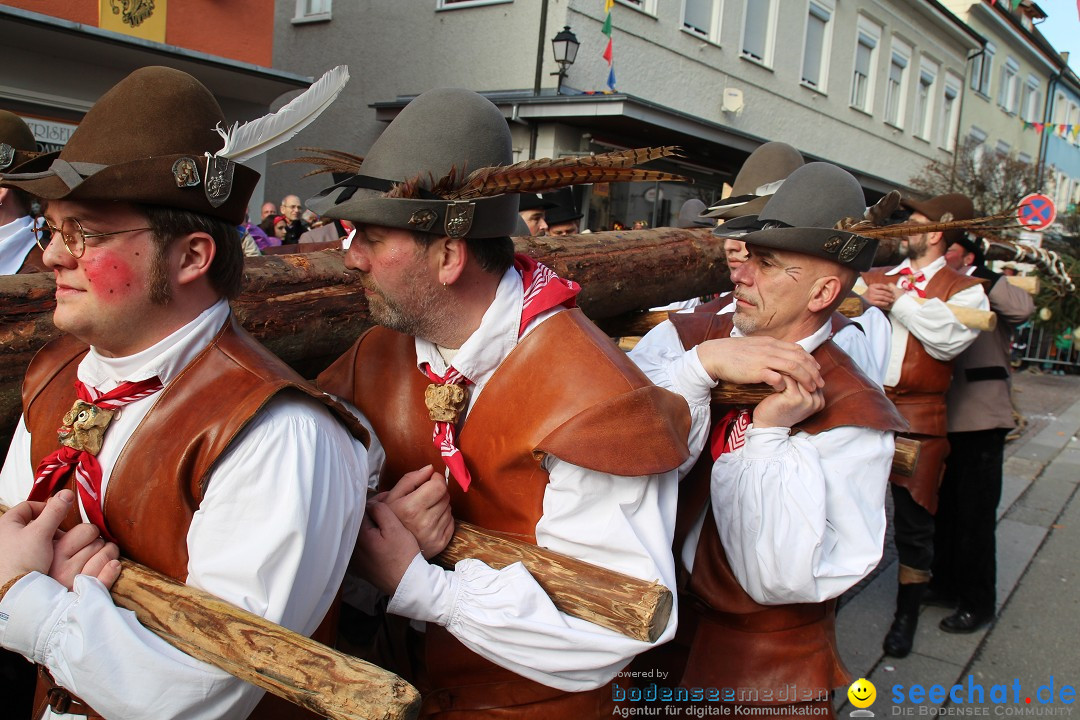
x=995, y=181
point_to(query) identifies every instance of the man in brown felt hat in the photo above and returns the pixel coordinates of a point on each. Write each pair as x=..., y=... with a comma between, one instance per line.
x=925, y=339
x=785, y=508
x=532, y=409
x=190, y=446
x=18, y=251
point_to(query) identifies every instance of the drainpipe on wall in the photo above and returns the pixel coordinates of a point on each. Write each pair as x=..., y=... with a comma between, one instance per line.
x=960, y=117
x=1044, y=142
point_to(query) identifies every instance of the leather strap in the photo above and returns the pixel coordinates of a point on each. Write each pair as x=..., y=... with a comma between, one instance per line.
x=59, y=700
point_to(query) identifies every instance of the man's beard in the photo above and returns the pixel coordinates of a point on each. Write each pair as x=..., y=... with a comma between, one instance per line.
x=745, y=324
x=416, y=314
x=916, y=247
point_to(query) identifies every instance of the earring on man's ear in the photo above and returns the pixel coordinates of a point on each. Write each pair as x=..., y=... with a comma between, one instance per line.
x=444, y=286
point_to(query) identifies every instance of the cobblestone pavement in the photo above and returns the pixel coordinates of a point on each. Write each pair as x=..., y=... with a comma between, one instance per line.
x=1039, y=397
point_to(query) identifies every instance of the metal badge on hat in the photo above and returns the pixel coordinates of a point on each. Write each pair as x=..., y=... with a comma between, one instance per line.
x=459, y=218
x=185, y=172
x=7, y=156
x=852, y=247
x=219, y=179
x=422, y=220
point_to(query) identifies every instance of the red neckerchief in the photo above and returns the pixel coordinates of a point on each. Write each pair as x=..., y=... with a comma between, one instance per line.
x=908, y=283
x=53, y=468
x=730, y=433
x=543, y=291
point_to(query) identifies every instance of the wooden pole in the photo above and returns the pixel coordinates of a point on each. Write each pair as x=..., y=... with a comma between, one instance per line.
x=982, y=320
x=630, y=606
x=263, y=653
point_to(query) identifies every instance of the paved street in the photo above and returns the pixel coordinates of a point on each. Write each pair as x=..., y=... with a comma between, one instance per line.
x=1026, y=662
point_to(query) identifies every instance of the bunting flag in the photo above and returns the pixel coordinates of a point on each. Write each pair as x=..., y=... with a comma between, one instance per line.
x=1015, y=4
x=606, y=29
x=1059, y=129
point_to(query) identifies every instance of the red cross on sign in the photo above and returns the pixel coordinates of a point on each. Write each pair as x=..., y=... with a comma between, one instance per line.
x=1036, y=212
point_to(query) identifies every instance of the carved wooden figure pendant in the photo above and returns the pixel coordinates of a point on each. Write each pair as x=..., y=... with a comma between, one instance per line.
x=84, y=427
x=444, y=402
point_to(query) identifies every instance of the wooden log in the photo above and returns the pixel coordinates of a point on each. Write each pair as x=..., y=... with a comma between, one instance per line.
x=260, y=652
x=982, y=320
x=905, y=455
x=630, y=606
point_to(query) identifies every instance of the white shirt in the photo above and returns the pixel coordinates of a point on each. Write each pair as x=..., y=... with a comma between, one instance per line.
x=625, y=524
x=273, y=536
x=16, y=240
x=801, y=517
x=932, y=323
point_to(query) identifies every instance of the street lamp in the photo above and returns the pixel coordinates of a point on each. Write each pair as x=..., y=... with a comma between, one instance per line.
x=565, y=44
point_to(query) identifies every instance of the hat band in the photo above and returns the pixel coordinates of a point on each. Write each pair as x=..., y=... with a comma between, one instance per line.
x=73, y=174
x=366, y=182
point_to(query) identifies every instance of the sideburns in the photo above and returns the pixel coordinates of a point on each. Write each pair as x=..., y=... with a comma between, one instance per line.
x=158, y=278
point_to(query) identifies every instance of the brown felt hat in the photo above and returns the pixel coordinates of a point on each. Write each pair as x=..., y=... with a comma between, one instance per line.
x=438, y=131
x=147, y=141
x=802, y=215
x=944, y=208
x=759, y=177
x=17, y=144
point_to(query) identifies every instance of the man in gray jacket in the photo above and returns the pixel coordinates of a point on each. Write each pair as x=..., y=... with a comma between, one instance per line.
x=979, y=417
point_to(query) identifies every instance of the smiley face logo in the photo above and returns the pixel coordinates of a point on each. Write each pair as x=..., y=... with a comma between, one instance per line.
x=862, y=693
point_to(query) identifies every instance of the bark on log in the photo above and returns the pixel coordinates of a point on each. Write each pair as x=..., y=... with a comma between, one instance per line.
x=254, y=649
x=304, y=308
x=632, y=607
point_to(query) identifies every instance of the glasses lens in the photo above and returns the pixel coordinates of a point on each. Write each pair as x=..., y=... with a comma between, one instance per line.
x=73, y=236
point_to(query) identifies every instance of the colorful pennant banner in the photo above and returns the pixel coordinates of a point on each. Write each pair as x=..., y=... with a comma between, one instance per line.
x=608, y=4
x=1059, y=129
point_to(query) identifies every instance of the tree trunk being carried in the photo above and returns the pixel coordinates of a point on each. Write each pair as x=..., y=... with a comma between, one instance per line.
x=305, y=308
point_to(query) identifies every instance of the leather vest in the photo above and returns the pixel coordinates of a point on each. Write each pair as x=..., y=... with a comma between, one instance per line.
x=787, y=652
x=34, y=262
x=920, y=393
x=564, y=390
x=160, y=477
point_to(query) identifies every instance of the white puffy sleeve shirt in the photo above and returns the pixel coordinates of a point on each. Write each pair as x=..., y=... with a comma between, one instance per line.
x=621, y=523
x=801, y=517
x=932, y=323
x=273, y=536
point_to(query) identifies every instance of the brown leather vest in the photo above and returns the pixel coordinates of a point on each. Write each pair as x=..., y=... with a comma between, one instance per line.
x=565, y=389
x=920, y=393
x=739, y=643
x=33, y=262
x=160, y=477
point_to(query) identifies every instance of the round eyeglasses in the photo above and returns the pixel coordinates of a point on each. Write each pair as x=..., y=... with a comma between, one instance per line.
x=71, y=230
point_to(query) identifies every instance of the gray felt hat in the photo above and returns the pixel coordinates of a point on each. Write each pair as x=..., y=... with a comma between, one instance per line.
x=759, y=177
x=441, y=130
x=691, y=215
x=802, y=216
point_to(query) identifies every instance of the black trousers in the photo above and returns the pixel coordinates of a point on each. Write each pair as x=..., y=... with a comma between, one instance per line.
x=913, y=530
x=965, y=553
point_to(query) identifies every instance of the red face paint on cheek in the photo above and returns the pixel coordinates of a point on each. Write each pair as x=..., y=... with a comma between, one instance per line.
x=109, y=274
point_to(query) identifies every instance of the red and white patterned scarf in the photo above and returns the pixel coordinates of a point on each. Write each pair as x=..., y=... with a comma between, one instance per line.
x=730, y=433
x=53, y=469
x=543, y=290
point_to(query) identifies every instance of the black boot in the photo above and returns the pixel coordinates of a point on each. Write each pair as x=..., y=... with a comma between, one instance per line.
x=901, y=635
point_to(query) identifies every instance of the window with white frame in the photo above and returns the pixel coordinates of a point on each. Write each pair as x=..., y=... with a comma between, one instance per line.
x=1073, y=118
x=1030, y=99
x=1061, y=190
x=950, y=111
x=818, y=42
x=982, y=65
x=1024, y=158
x=646, y=6
x=760, y=20
x=862, y=81
x=977, y=137
x=896, y=86
x=311, y=11
x=702, y=18
x=1061, y=108
x=455, y=4
x=924, y=100
x=1007, y=92
x=1003, y=147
